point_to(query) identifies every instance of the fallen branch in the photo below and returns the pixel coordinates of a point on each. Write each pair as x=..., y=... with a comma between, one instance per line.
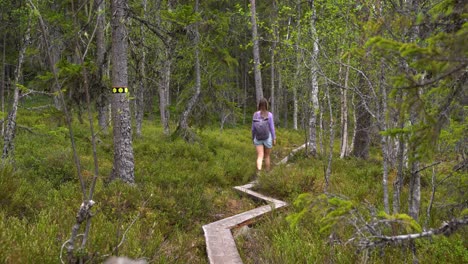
x=446, y=229
x=39, y=108
x=293, y=152
x=27, y=129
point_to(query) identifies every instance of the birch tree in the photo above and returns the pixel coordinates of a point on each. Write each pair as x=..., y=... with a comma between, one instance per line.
x=10, y=130
x=314, y=88
x=344, y=113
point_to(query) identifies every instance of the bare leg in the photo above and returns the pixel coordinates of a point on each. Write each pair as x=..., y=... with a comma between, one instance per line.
x=267, y=158
x=260, y=154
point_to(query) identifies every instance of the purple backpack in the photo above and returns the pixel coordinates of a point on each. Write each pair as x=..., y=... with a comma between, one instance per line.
x=261, y=127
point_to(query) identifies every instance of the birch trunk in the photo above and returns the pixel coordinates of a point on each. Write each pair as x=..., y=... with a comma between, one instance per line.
x=397, y=184
x=351, y=147
x=297, y=75
x=272, y=92
x=332, y=141
x=344, y=114
x=2, y=91
x=256, y=53
x=314, y=91
x=123, y=167
x=10, y=131
x=295, y=109
x=384, y=140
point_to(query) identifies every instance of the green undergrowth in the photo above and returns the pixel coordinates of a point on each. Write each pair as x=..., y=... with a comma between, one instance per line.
x=319, y=228
x=180, y=187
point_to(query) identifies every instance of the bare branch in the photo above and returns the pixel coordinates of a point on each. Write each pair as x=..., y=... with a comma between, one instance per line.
x=446, y=229
x=427, y=167
x=432, y=81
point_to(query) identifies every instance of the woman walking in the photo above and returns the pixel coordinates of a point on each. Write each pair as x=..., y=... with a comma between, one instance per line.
x=263, y=134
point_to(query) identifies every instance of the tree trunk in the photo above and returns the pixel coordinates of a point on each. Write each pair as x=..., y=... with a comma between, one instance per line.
x=2, y=91
x=102, y=101
x=55, y=52
x=314, y=91
x=140, y=92
x=123, y=167
x=273, y=63
x=398, y=183
x=10, y=131
x=297, y=74
x=344, y=114
x=384, y=139
x=351, y=147
x=332, y=141
x=183, y=129
x=272, y=93
x=363, y=122
x=414, y=196
x=256, y=53
x=164, y=87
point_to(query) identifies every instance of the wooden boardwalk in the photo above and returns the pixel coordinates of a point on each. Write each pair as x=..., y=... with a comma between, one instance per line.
x=220, y=244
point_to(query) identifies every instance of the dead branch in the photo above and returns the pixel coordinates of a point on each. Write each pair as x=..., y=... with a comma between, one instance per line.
x=27, y=129
x=446, y=229
x=40, y=108
x=290, y=155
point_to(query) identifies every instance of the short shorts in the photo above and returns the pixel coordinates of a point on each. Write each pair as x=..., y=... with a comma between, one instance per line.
x=268, y=143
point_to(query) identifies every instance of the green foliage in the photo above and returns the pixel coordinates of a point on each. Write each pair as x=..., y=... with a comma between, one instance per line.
x=327, y=212
x=183, y=15
x=412, y=226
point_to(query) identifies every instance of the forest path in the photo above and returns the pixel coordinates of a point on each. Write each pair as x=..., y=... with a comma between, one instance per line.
x=220, y=244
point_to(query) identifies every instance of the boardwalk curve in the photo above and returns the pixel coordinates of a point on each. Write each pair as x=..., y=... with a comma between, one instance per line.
x=220, y=245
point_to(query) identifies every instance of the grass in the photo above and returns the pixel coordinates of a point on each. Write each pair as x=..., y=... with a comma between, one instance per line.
x=180, y=187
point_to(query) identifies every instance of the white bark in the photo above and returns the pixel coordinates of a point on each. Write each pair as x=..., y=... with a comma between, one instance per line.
x=447, y=228
x=295, y=108
x=10, y=131
x=2, y=91
x=332, y=140
x=353, y=139
x=344, y=114
x=296, y=82
x=384, y=140
x=291, y=154
x=314, y=91
x=398, y=183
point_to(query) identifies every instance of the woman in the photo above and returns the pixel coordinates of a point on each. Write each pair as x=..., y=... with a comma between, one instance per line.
x=262, y=144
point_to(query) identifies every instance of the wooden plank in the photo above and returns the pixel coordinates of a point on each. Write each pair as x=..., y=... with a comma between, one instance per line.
x=220, y=245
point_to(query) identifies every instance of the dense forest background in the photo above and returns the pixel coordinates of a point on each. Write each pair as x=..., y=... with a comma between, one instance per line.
x=126, y=122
